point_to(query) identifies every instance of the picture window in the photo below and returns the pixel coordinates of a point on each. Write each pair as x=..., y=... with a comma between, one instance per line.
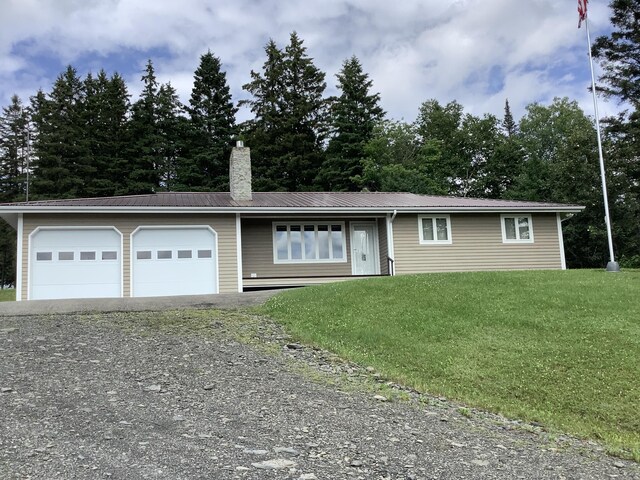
x=309, y=242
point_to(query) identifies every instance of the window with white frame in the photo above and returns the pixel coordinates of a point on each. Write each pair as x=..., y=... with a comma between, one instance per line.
x=309, y=242
x=517, y=229
x=434, y=229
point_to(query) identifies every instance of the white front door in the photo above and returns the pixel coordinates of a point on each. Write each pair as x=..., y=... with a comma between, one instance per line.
x=174, y=261
x=364, y=249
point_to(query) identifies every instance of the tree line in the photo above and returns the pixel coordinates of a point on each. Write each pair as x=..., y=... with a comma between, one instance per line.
x=85, y=137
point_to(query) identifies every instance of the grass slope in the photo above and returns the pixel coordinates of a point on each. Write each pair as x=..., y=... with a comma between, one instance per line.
x=559, y=348
x=8, y=295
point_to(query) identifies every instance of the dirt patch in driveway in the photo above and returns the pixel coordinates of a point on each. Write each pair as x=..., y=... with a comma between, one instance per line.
x=225, y=394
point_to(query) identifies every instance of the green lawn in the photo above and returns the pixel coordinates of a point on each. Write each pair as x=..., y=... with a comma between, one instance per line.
x=8, y=295
x=559, y=348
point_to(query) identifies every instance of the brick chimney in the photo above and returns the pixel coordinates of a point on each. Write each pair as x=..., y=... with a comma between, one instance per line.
x=240, y=173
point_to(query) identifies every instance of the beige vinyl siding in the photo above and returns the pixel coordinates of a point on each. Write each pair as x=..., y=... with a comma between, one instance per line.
x=477, y=245
x=257, y=252
x=224, y=225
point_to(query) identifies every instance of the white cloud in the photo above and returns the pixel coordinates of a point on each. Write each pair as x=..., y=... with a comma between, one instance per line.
x=477, y=52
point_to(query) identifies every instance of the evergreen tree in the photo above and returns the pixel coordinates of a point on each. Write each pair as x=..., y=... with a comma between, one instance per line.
x=14, y=150
x=508, y=123
x=61, y=169
x=353, y=117
x=211, y=130
x=144, y=155
x=289, y=128
x=619, y=56
x=619, y=53
x=105, y=110
x=170, y=128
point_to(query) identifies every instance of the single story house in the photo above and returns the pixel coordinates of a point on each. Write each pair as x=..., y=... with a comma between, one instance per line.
x=202, y=243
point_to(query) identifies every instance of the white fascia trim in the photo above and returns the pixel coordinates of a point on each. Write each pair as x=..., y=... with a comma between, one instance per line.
x=19, y=254
x=291, y=210
x=563, y=262
x=239, y=251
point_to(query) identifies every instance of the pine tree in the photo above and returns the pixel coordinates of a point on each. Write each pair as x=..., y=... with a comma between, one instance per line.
x=60, y=169
x=144, y=156
x=211, y=130
x=289, y=128
x=354, y=115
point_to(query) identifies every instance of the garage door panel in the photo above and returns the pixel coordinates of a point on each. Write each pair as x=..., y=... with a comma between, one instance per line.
x=167, y=262
x=56, y=274
x=59, y=269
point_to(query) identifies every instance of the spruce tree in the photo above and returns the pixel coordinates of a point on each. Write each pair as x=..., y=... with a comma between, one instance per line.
x=353, y=117
x=170, y=129
x=212, y=126
x=14, y=150
x=144, y=138
x=619, y=53
x=61, y=169
x=508, y=123
x=105, y=110
x=289, y=128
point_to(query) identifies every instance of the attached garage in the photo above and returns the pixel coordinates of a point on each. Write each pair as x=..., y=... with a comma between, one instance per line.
x=75, y=263
x=174, y=260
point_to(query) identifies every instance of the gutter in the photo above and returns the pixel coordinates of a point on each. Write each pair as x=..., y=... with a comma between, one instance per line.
x=285, y=210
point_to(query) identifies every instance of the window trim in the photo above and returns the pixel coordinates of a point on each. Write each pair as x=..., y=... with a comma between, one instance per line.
x=301, y=224
x=517, y=239
x=433, y=217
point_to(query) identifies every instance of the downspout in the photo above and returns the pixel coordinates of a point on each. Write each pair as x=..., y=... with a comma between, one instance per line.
x=559, y=220
x=390, y=247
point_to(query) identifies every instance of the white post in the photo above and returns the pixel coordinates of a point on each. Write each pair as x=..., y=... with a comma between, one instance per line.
x=612, y=266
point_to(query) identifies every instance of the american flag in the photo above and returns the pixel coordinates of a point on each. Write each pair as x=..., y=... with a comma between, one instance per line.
x=582, y=11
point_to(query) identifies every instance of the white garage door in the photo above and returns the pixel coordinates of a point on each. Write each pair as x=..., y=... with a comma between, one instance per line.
x=75, y=263
x=174, y=261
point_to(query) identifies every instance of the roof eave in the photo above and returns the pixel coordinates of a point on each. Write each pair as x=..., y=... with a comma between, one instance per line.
x=9, y=212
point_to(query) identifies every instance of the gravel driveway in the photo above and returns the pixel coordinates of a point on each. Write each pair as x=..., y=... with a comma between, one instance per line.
x=223, y=395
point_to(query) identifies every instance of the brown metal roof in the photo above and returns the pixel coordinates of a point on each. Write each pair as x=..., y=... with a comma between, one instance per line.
x=294, y=200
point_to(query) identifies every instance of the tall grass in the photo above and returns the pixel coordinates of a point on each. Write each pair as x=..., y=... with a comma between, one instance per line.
x=559, y=348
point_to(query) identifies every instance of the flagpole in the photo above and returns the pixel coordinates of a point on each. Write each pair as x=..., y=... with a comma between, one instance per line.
x=612, y=265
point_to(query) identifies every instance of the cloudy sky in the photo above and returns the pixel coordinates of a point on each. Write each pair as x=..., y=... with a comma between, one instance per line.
x=478, y=52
